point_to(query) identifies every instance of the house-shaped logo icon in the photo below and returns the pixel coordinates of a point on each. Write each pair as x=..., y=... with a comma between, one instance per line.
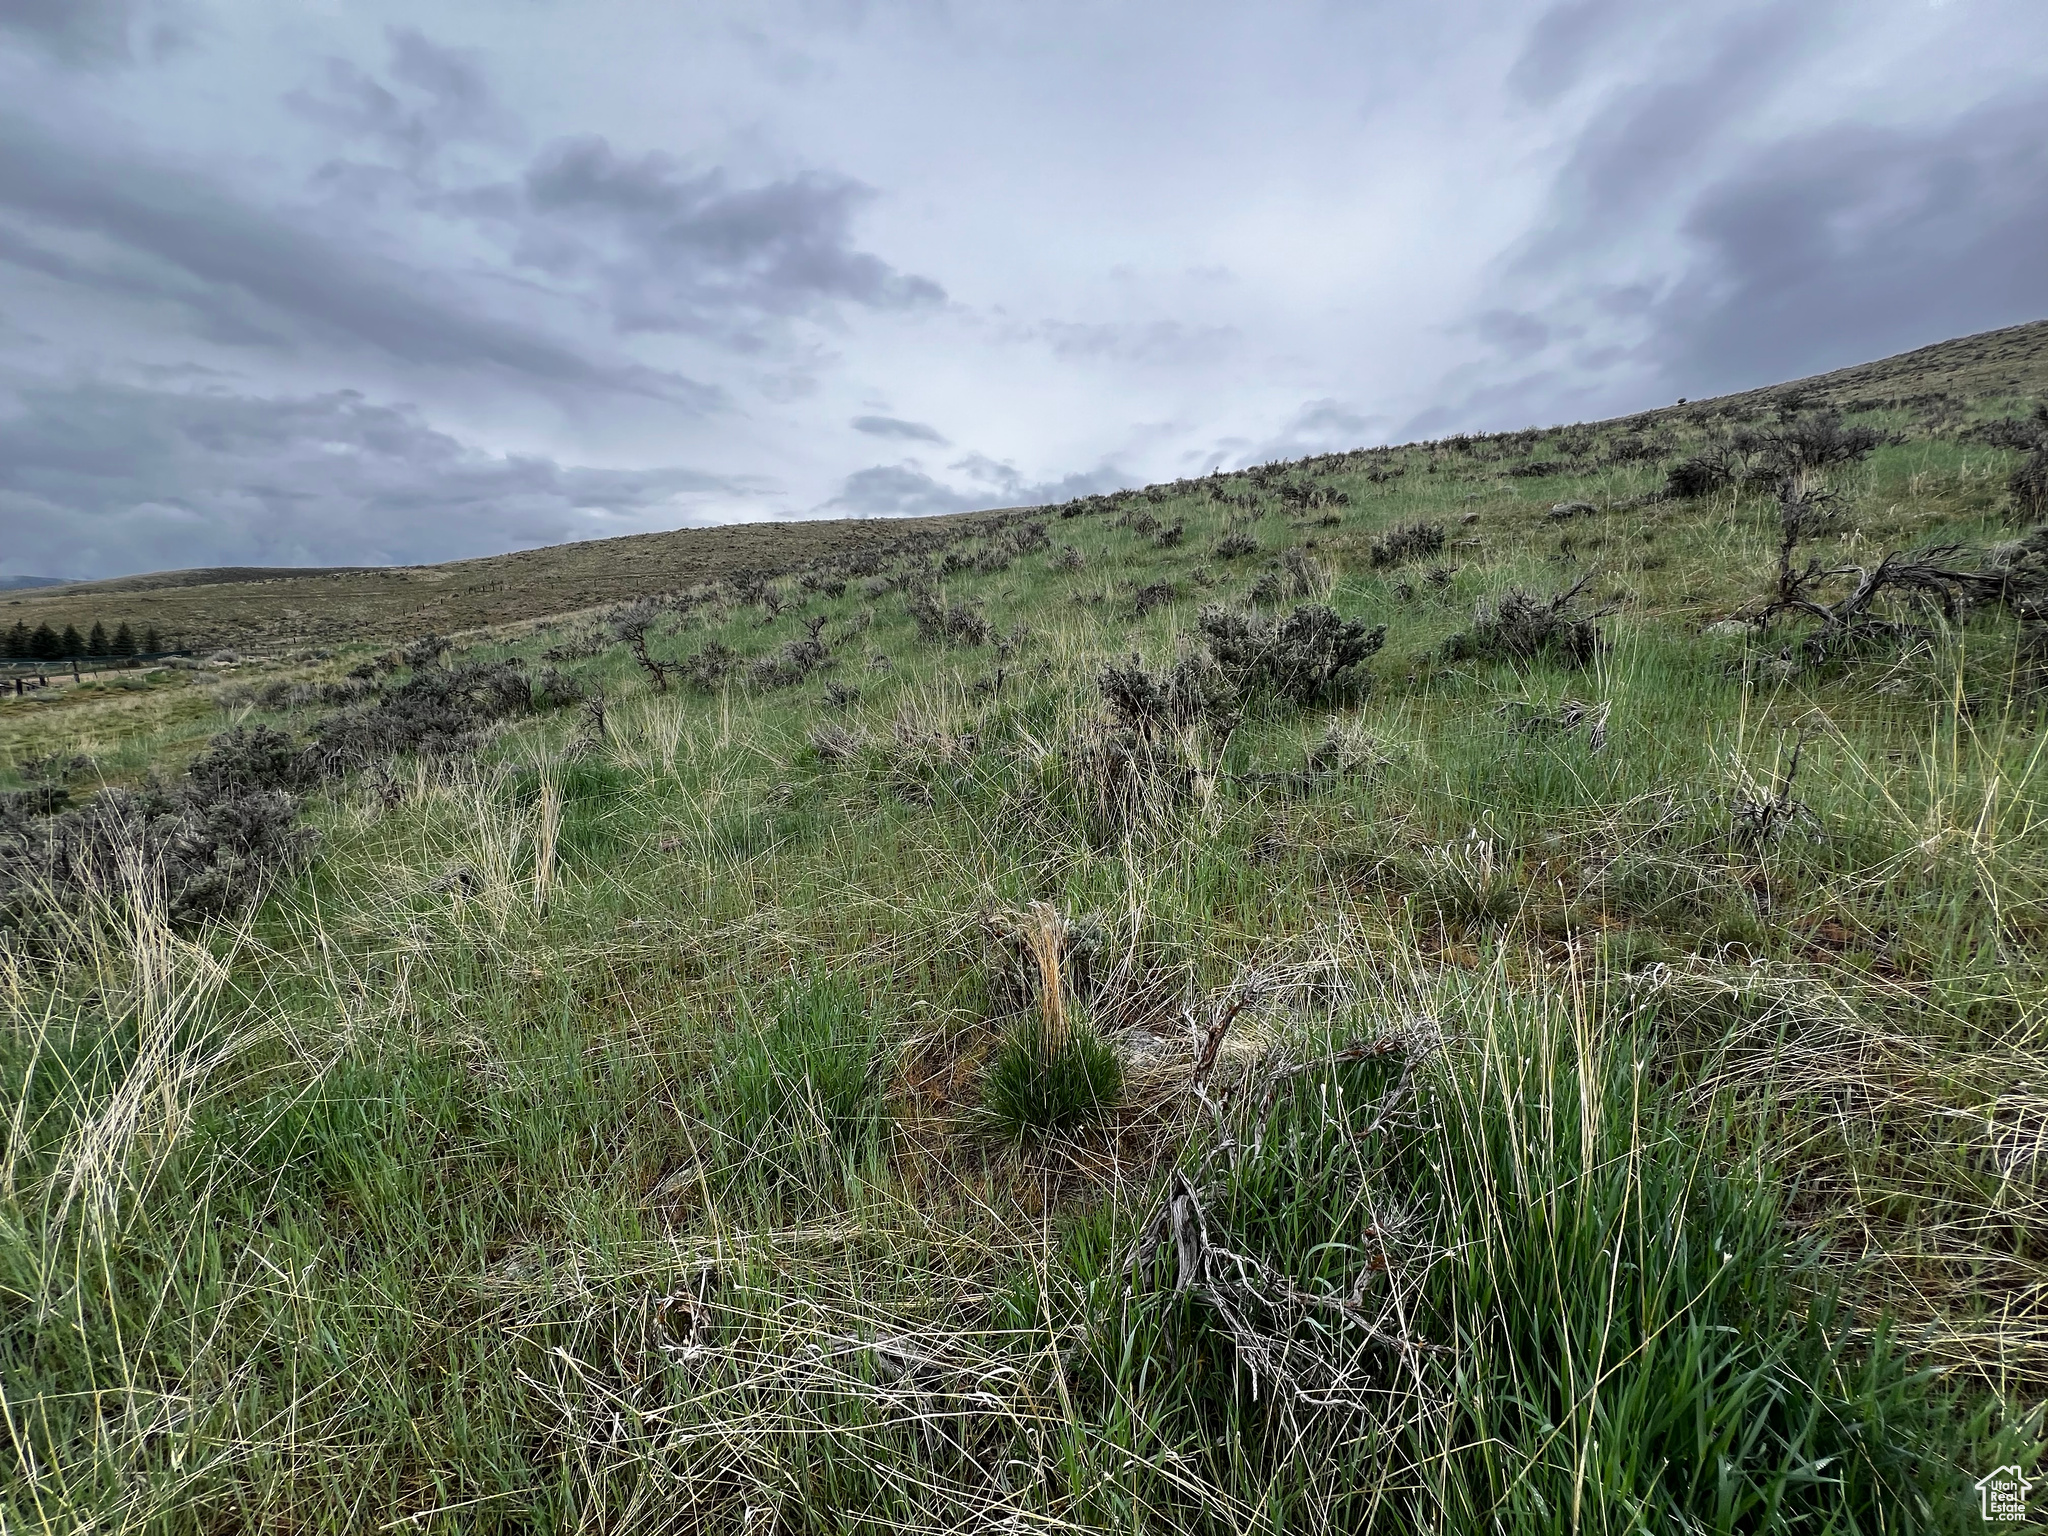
x=2002, y=1493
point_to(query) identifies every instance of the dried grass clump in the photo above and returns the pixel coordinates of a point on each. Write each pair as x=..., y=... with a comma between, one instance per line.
x=1303, y=575
x=1521, y=627
x=1407, y=541
x=1068, y=558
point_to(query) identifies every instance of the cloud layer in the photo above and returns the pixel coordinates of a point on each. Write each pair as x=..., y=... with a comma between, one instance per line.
x=338, y=288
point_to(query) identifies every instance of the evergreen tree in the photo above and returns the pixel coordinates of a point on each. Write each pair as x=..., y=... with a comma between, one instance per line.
x=124, y=641
x=152, y=642
x=44, y=645
x=73, y=642
x=96, y=642
x=18, y=641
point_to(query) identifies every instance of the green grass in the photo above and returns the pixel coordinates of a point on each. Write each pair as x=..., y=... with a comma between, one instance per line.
x=598, y=1135
x=1038, y=1082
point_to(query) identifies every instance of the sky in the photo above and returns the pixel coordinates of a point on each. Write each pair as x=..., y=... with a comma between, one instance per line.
x=349, y=282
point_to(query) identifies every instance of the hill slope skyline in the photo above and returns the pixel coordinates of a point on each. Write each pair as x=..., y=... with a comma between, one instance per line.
x=242, y=606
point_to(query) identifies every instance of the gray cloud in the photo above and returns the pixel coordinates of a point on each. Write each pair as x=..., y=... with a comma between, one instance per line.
x=1651, y=203
x=906, y=490
x=1560, y=47
x=445, y=97
x=1317, y=426
x=1859, y=241
x=677, y=251
x=96, y=479
x=206, y=252
x=891, y=426
x=1165, y=343
x=92, y=32
x=1513, y=331
x=900, y=490
x=1642, y=145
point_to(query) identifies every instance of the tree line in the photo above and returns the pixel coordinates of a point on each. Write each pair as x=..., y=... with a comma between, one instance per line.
x=46, y=644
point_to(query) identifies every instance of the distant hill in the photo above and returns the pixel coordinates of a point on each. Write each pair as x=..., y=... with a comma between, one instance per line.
x=204, y=576
x=18, y=583
x=267, y=606
x=263, y=607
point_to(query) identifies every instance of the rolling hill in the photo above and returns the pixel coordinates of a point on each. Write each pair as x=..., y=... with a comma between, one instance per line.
x=271, y=607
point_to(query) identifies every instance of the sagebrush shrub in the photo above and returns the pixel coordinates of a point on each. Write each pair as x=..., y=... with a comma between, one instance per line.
x=1521, y=627
x=197, y=848
x=434, y=713
x=1236, y=543
x=1310, y=655
x=2029, y=487
x=1407, y=541
x=939, y=621
x=709, y=667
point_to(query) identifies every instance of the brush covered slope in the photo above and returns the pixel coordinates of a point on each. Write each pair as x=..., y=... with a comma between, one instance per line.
x=1491, y=985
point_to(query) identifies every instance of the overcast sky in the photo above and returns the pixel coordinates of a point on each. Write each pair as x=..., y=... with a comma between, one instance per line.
x=352, y=282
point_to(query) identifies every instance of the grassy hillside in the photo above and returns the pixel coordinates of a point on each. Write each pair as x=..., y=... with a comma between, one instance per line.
x=268, y=608
x=1486, y=985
